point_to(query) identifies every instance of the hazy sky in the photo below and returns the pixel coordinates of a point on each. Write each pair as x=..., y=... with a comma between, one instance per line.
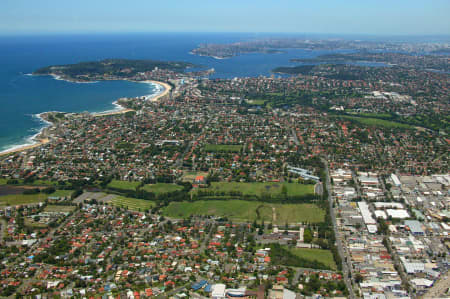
x=393, y=17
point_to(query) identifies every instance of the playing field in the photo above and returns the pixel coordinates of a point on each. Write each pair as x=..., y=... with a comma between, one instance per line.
x=22, y=199
x=132, y=203
x=242, y=210
x=124, y=185
x=259, y=189
x=231, y=148
x=321, y=255
x=376, y=122
x=161, y=188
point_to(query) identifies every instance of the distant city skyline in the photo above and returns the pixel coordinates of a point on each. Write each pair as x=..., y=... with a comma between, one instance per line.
x=382, y=17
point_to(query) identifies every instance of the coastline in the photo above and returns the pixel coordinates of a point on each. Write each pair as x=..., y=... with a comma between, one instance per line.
x=36, y=140
x=40, y=138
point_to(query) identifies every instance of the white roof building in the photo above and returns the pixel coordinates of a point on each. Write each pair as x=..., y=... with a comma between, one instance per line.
x=365, y=212
x=398, y=214
x=218, y=291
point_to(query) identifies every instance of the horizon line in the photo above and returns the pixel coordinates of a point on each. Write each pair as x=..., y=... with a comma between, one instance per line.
x=53, y=33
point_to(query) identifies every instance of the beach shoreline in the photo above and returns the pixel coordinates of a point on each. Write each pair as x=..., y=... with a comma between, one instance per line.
x=39, y=138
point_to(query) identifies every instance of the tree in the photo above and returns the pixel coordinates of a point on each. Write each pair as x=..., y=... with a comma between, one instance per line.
x=307, y=236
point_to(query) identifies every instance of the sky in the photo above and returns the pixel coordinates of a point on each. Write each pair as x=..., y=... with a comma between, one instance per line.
x=372, y=17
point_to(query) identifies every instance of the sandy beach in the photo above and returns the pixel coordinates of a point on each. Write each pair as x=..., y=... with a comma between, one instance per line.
x=25, y=147
x=152, y=98
x=166, y=91
x=41, y=141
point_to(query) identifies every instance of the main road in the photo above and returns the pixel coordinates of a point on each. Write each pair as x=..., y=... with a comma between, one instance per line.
x=342, y=253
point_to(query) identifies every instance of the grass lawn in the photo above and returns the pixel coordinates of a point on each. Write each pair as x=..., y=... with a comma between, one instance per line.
x=190, y=176
x=230, y=148
x=242, y=210
x=321, y=255
x=161, y=188
x=57, y=208
x=258, y=189
x=376, y=122
x=3, y=181
x=124, y=185
x=132, y=203
x=19, y=199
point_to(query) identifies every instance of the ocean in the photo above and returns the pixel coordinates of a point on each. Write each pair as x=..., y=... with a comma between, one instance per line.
x=23, y=96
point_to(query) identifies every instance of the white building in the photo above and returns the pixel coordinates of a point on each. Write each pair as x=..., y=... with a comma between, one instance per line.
x=218, y=291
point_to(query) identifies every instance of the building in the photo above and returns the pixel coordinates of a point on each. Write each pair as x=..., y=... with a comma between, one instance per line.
x=218, y=291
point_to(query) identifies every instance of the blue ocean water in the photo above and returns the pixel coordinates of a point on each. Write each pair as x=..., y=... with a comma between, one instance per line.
x=22, y=96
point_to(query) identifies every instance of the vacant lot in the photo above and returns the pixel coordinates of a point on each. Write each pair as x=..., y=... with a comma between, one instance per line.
x=21, y=199
x=259, y=189
x=123, y=185
x=320, y=255
x=242, y=210
x=230, y=148
x=132, y=203
x=161, y=188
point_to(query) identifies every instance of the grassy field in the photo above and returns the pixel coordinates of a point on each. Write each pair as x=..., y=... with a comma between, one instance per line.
x=191, y=175
x=132, y=203
x=20, y=199
x=229, y=148
x=161, y=188
x=124, y=185
x=321, y=255
x=56, y=208
x=258, y=189
x=242, y=210
x=376, y=122
x=3, y=181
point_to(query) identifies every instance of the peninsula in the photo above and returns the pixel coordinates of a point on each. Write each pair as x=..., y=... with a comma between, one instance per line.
x=110, y=69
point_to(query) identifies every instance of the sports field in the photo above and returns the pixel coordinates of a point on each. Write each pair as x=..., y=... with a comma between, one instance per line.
x=377, y=122
x=124, y=185
x=242, y=210
x=161, y=188
x=259, y=189
x=132, y=203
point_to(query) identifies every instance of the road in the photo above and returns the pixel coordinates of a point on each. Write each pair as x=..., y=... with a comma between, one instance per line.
x=342, y=253
x=180, y=160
